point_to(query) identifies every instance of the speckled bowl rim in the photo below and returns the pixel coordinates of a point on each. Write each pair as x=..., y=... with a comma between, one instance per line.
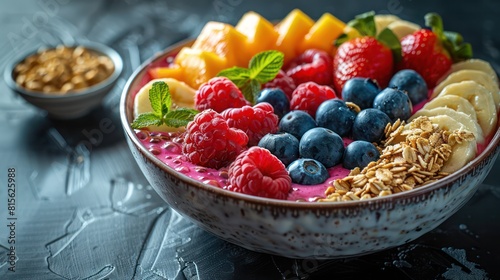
x=393, y=198
x=93, y=46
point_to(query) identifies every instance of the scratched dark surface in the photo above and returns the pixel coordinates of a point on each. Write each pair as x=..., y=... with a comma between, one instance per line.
x=85, y=211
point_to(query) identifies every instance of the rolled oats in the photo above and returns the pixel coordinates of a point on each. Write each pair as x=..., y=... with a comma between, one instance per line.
x=412, y=155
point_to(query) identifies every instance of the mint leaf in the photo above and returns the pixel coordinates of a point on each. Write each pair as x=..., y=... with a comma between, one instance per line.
x=161, y=103
x=238, y=75
x=157, y=96
x=390, y=40
x=262, y=68
x=145, y=120
x=265, y=65
x=251, y=90
x=179, y=117
x=364, y=24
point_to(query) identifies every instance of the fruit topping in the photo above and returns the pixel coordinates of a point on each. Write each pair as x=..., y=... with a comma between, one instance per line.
x=336, y=116
x=291, y=30
x=313, y=65
x=296, y=122
x=282, y=81
x=395, y=103
x=360, y=91
x=259, y=32
x=432, y=52
x=477, y=76
x=370, y=56
x=223, y=40
x=359, y=153
x=323, y=145
x=308, y=96
x=199, y=65
x=255, y=121
x=277, y=98
x=369, y=125
x=210, y=142
x=306, y=171
x=283, y=145
x=321, y=35
x=258, y=172
x=412, y=83
x=219, y=94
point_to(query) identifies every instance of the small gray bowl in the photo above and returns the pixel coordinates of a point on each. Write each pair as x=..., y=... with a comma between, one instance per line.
x=311, y=230
x=73, y=104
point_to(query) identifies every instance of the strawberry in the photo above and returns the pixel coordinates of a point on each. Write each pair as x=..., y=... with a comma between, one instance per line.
x=432, y=52
x=366, y=56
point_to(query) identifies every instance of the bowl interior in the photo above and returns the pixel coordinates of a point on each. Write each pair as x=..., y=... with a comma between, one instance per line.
x=140, y=77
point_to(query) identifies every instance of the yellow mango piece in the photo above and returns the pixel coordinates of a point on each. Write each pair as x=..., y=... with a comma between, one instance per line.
x=291, y=30
x=174, y=71
x=199, y=66
x=323, y=34
x=223, y=40
x=259, y=32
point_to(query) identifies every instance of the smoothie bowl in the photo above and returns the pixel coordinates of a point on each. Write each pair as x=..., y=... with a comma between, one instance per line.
x=349, y=213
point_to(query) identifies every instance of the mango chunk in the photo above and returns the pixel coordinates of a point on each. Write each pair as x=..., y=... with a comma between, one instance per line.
x=259, y=32
x=291, y=30
x=223, y=40
x=323, y=34
x=173, y=71
x=199, y=66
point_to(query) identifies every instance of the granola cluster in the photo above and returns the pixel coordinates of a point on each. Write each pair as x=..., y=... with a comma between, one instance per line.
x=412, y=155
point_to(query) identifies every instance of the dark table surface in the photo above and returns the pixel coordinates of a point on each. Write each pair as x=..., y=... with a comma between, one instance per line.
x=87, y=212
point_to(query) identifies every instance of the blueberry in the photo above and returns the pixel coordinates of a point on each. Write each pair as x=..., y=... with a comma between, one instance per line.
x=360, y=91
x=410, y=81
x=336, y=116
x=359, y=153
x=323, y=145
x=395, y=103
x=306, y=171
x=283, y=145
x=369, y=125
x=296, y=122
x=277, y=98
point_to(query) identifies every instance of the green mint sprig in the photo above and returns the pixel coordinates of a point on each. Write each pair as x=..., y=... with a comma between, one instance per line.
x=262, y=68
x=161, y=102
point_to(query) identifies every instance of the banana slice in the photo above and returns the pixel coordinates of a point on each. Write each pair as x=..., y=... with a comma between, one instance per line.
x=182, y=97
x=383, y=20
x=402, y=28
x=469, y=123
x=454, y=102
x=462, y=152
x=471, y=75
x=475, y=64
x=480, y=98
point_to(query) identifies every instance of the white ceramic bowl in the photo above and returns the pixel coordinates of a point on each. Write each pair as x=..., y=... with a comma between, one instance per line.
x=73, y=104
x=305, y=229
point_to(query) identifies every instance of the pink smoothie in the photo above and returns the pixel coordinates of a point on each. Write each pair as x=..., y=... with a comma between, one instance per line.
x=167, y=148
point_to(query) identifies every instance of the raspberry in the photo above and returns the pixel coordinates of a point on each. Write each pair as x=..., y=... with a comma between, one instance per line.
x=255, y=121
x=210, y=142
x=218, y=94
x=308, y=96
x=282, y=81
x=312, y=65
x=258, y=172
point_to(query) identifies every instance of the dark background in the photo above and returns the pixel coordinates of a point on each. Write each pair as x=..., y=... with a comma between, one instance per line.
x=84, y=209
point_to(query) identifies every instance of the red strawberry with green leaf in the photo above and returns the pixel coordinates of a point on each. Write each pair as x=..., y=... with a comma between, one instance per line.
x=432, y=52
x=369, y=56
